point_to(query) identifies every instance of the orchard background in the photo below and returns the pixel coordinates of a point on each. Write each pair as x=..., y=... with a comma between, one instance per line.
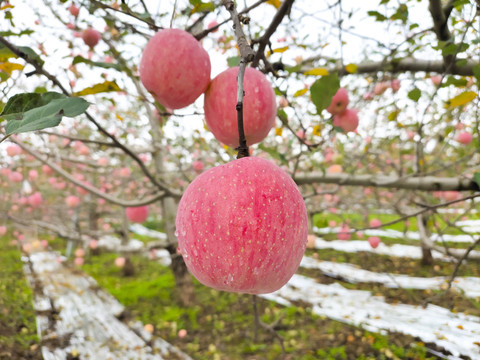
x=392, y=203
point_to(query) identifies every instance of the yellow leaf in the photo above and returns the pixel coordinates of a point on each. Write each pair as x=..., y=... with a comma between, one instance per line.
x=119, y=117
x=278, y=50
x=8, y=67
x=278, y=131
x=316, y=130
x=275, y=3
x=99, y=88
x=300, y=92
x=461, y=99
x=351, y=68
x=317, y=72
x=205, y=126
x=6, y=6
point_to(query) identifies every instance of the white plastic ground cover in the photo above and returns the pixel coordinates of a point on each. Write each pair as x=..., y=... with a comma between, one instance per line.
x=455, y=332
x=409, y=235
x=469, y=286
x=86, y=323
x=398, y=250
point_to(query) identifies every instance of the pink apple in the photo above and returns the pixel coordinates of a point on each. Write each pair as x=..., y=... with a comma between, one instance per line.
x=79, y=252
x=242, y=226
x=348, y=120
x=137, y=214
x=332, y=223
x=120, y=262
x=93, y=244
x=175, y=68
x=464, y=138
x=344, y=233
x=374, y=241
x=212, y=24
x=311, y=241
x=16, y=177
x=198, y=166
x=103, y=161
x=91, y=37
x=395, y=85
x=35, y=200
x=33, y=174
x=47, y=170
x=72, y=201
x=339, y=102
x=334, y=169
x=182, y=333
x=74, y=10
x=380, y=87
x=13, y=150
x=124, y=172
x=149, y=328
x=259, y=107
x=3, y=230
x=79, y=261
x=436, y=79
x=374, y=223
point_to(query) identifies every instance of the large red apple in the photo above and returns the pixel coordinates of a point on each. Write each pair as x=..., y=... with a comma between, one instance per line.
x=175, y=68
x=137, y=214
x=259, y=107
x=242, y=227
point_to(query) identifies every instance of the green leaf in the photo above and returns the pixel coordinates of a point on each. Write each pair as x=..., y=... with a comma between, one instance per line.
x=452, y=80
x=414, y=94
x=323, y=90
x=476, y=72
x=377, y=15
x=476, y=178
x=11, y=33
x=233, y=61
x=33, y=111
x=80, y=59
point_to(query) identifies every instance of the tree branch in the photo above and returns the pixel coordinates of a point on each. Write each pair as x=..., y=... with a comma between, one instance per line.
x=283, y=10
x=426, y=183
x=440, y=17
x=404, y=65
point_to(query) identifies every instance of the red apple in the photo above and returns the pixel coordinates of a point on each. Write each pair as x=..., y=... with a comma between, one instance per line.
x=198, y=166
x=3, y=230
x=344, y=233
x=137, y=214
x=212, y=24
x=259, y=107
x=91, y=37
x=242, y=227
x=339, y=102
x=74, y=10
x=13, y=150
x=72, y=201
x=175, y=68
x=374, y=223
x=348, y=120
x=35, y=200
x=374, y=241
x=464, y=138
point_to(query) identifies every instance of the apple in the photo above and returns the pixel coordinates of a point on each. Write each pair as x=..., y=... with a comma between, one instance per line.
x=15, y=176
x=74, y=10
x=175, y=68
x=374, y=241
x=72, y=201
x=344, y=233
x=242, y=227
x=347, y=120
x=137, y=214
x=35, y=200
x=212, y=24
x=374, y=223
x=3, y=230
x=464, y=138
x=33, y=174
x=79, y=252
x=198, y=166
x=91, y=37
x=79, y=261
x=13, y=150
x=395, y=85
x=120, y=262
x=259, y=107
x=339, y=102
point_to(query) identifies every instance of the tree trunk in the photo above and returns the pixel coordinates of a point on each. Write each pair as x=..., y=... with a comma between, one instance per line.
x=183, y=279
x=425, y=241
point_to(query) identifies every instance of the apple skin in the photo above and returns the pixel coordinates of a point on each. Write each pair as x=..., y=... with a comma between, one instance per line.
x=137, y=214
x=91, y=37
x=175, y=68
x=374, y=241
x=347, y=120
x=242, y=227
x=339, y=102
x=464, y=138
x=259, y=107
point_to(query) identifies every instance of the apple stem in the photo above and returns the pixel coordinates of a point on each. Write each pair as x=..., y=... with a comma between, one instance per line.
x=242, y=140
